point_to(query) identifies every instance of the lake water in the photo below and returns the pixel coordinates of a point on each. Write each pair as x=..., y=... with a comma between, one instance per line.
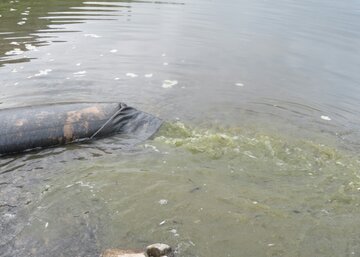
x=259, y=152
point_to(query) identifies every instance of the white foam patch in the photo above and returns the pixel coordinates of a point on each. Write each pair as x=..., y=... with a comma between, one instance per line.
x=165, y=64
x=43, y=72
x=16, y=51
x=12, y=10
x=163, y=202
x=152, y=147
x=78, y=64
x=169, y=83
x=9, y=215
x=249, y=154
x=92, y=35
x=80, y=73
x=131, y=75
x=82, y=184
x=148, y=75
x=116, y=78
x=30, y=47
x=323, y=117
x=174, y=231
x=163, y=55
x=21, y=23
x=239, y=84
x=14, y=43
x=113, y=51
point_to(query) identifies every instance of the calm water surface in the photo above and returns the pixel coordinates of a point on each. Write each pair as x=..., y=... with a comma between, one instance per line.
x=259, y=154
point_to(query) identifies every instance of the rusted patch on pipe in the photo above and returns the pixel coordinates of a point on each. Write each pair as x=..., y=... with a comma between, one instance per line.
x=77, y=116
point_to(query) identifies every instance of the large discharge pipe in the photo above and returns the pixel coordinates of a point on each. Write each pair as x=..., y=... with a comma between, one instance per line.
x=41, y=126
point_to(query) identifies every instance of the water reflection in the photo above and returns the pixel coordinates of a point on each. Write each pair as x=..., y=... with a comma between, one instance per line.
x=35, y=26
x=29, y=25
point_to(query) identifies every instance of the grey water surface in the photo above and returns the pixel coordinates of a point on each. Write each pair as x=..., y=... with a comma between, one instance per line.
x=259, y=154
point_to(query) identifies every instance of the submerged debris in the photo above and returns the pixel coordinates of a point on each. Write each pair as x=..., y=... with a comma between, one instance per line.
x=157, y=250
x=154, y=250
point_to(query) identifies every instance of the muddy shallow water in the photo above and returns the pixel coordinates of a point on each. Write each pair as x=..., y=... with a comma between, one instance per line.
x=259, y=152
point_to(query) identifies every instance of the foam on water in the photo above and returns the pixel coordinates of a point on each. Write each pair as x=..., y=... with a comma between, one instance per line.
x=286, y=155
x=43, y=72
x=131, y=75
x=169, y=83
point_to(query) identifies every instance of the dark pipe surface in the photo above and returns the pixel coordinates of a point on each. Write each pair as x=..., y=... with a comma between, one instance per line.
x=41, y=126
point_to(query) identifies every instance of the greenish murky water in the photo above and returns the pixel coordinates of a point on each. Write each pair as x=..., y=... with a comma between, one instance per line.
x=223, y=191
x=259, y=152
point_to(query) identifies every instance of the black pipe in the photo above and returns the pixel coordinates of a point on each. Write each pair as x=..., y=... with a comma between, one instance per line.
x=41, y=126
